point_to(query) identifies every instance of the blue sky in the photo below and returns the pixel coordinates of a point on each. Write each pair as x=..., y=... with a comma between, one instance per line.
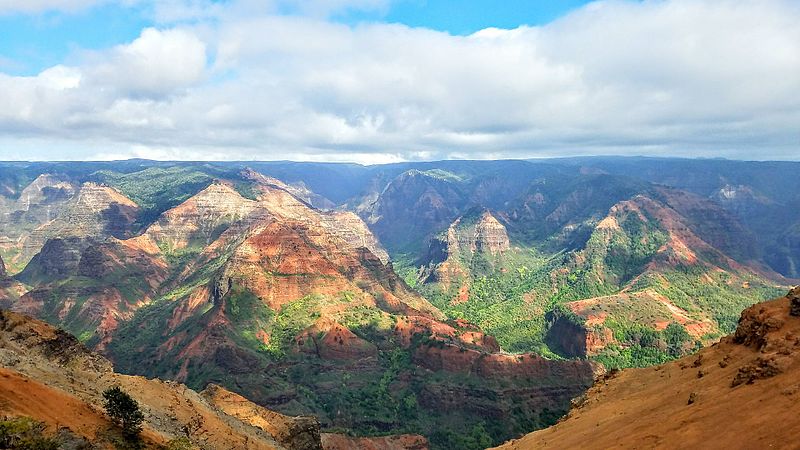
x=468, y=16
x=30, y=43
x=340, y=80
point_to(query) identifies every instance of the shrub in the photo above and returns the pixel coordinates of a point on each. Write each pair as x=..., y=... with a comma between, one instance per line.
x=24, y=433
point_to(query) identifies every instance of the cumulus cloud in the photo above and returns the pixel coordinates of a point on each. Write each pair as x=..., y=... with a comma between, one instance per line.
x=156, y=63
x=681, y=77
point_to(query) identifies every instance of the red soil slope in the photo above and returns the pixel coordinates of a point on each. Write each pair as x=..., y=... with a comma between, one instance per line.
x=740, y=393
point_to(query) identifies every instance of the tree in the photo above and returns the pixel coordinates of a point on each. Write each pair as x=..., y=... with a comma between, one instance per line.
x=124, y=410
x=676, y=337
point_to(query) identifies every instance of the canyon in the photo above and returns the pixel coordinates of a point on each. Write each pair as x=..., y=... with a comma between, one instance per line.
x=411, y=299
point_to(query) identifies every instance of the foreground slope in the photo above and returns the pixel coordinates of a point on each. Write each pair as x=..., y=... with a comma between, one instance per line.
x=48, y=375
x=739, y=393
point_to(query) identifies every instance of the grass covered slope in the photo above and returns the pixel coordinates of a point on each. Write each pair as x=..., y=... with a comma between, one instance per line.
x=651, y=281
x=739, y=393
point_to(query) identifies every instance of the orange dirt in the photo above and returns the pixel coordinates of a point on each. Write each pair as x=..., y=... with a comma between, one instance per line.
x=21, y=396
x=740, y=393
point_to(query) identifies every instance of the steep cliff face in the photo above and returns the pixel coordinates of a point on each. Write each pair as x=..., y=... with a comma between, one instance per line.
x=413, y=206
x=477, y=234
x=53, y=207
x=96, y=211
x=38, y=204
x=201, y=219
x=745, y=385
x=10, y=289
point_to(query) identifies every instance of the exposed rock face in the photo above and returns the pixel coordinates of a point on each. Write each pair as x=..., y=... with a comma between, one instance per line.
x=201, y=219
x=748, y=380
x=113, y=279
x=53, y=207
x=490, y=235
x=577, y=340
x=38, y=204
x=58, y=258
x=330, y=340
x=354, y=231
x=96, y=211
x=475, y=233
x=297, y=433
x=402, y=442
x=794, y=298
x=298, y=190
x=2, y=268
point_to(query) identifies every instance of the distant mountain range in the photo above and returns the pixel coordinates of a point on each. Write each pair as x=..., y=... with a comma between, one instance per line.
x=422, y=298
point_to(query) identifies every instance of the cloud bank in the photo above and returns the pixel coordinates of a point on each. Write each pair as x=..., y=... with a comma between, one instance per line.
x=677, y=77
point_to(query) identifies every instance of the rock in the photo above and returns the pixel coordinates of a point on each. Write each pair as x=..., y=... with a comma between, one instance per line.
x=296, y=433
x=794, y=301
x=476, y=232
x=759, y=369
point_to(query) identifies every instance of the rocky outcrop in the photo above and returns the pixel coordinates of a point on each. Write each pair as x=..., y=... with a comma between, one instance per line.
x=296, y=433
x=330, y=340
x=96, y=211
x=54, y=207
x=490, y=235
x=794, y=299
x=349, y=227
x=746, y=385
x=201, y=219
x=576, y=340
x=476, y=233
x=332, y=441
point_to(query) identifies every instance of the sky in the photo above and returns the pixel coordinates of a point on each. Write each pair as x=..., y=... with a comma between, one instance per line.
x=374, y=81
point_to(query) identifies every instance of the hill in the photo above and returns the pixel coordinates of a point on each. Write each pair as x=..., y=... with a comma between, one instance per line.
x=738, y=393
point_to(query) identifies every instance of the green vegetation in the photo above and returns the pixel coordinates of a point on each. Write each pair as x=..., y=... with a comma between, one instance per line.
x=511, y=296
x=125, y=411
x=289, y=322
x=156, y=189
x=24, y=433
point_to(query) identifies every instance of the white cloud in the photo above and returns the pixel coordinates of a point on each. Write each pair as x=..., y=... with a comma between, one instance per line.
x=156, y=63
x=685, y=77
x=37, y=6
